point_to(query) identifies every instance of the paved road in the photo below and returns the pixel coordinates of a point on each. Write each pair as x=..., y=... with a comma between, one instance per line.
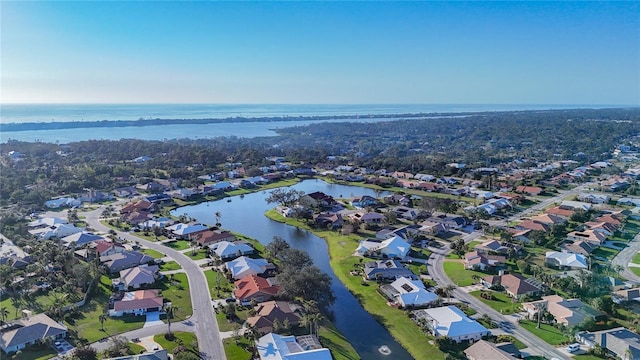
x=624, y=258
x=186, y=325
x=206, y=326
x=535, y=344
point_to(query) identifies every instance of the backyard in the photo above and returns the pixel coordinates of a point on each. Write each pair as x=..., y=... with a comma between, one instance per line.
x=461, y=277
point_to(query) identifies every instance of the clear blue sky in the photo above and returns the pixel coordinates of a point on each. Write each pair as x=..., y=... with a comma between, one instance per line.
x=321, y=52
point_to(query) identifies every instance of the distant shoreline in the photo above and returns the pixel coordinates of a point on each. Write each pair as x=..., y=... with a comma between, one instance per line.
x=28, y=126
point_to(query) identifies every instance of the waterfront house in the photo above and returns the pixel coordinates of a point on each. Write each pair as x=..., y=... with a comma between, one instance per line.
x=29, y=330
x=451, y=322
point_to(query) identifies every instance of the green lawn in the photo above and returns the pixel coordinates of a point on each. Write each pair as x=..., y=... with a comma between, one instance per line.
x=636, y=259
x=175, y=288
x=86, y=324
x=153, y=253
x=135, y=349
x=237, y=351
x=199, y=254
x=37, y=352
x=605, y=253
x=340, y=347
x=170, y=265
x=548, y=333
x=635, y=270
x=500, y=303
x=178, y=244
x=472, y=244
x=587, y=357
x=399, y=325
x=456, y=272
x=214, y=279
x=225, y=325
x=181, y=338
x=510, y=338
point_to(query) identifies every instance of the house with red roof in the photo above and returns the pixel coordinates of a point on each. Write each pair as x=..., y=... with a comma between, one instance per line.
x=549, y=219
x=560, y=211
x=106, y=248
x=529, y=190
x=253, y=287
x=533, y=225
x=515, y=285
x=209, y=237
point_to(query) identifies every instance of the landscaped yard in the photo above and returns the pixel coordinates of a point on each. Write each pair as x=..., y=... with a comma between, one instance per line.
x=153, y=253
x=178, y=244
x=186, y=339
x=456, y=272
x=170, y=265
x=635, y=270
x=603, y=252
x=214, y=279
x=35, y=353
x=237, y=351
x=501, y=302
x=175, y=288
x=399, y=325
x=225, y=325
x=87, y=324
x=198, y=255
x=636, y=259
x=548, y=333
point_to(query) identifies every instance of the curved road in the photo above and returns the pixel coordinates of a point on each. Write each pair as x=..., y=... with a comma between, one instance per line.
x=539, y=346
x=624, y=258
x=206, y=326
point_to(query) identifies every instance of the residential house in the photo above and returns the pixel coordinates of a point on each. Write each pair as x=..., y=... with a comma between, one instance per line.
x=410, y=293
x=269, y=311
x=605, y=228
x=533, y=225
x=613, y=219
x=138, y=276
x=451, y=322
x=407, y=213
x=278, y=347
x=253, y=287
x=317, y=200
x=594, y=198
x=407, y=184
x=386, y=270
x=549, y=219
x=591, y=236
x=147, y=355
x=367, y=217
x=93, y=196
x=515, y=285
x=62, y=202
x=57, y=231
x=29, y=330
x=159, y=199
x=522, y=236
x=138, y=302
x=398, y=199
x=80, y=239
x=211, y=237
x=186, y=231
x=135, y=218
x=125, y=192
x=328, y=220
x=244, y=266
x=618, y=342
x=365, y=201
x=124, y=260
x=105, y=248
x=566, y=260
x=431, y=228
x=230, y=250
x=154, y=223
x=578, y=247
x=484, y=350
x=152, y=187
x=626, y=295
x=481, y=261
x=394, y=248
x=566, y=312
x=183, y=194
x=494, y=246
x=408, y=232
x=451, y=222
x=141, y=206
x=529, y=190
x=559, y=211
x=43, y=223
x=576, y=205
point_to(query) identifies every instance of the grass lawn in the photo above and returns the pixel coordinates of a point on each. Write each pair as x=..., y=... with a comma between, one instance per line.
x=199, y=254
x=500, y=303
x=153, y=253
x=237, y=351
x=150, y=236
x=214, y=279
x=178, y=244
x=456, y=272
x=35, y=353
x=175, y=288
x=635, y=270
x=340, y=347
x=472, y=244
x=86, y=324
x=225, y=325
x=587, y=357
x=605, y=253
x=135, y=349
x=181, y=338
x=548, y=333
x=399, y=325
x=636, y=259
x=519, y=344
x=170, y=265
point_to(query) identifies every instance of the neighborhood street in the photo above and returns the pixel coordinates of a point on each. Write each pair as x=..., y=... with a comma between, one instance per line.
x=624, y=258
x=206, y=326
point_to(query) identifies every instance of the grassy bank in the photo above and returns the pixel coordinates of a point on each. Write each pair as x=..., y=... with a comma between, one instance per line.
x=399, y=325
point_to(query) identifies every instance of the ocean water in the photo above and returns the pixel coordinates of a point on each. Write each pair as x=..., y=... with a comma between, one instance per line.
x=35, y=113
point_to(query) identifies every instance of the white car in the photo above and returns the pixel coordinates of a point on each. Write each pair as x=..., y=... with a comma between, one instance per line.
x=573, y=347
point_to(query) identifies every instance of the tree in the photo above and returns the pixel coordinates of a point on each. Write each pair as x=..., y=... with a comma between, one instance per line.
x=276, y=246
x=102, y=318
x=119, y=346
x=185, y=355
x=218, y=215
x=447, y=290
x=85, y=353
x=294, y=258
x=4, y=312
x=170, y=310
x=308, y=283
x=284, y=197
x=540, y=307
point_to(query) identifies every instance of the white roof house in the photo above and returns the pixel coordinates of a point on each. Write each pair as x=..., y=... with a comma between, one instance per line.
x=56, y=231
x=181, y=229
x=452, y=322
x=576, y=261
x=81, y=238
x=156, y=223
x=47, y=221
x=226, y=249
x=56, y=203
x=244, y=266
x=277, y=347
x=412, y=292
x=395, y=247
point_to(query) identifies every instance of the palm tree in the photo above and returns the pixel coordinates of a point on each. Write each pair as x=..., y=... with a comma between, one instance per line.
x=4, y=312
x=102, y=318
x=315, y=320
x=170, y=310
x=218, y=215
x=447, y=290
x=539, y=309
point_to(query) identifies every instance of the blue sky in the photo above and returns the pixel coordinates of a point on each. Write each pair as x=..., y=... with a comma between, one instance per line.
x=321, y=52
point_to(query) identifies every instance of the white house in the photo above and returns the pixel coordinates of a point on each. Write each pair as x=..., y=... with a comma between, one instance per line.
x=412, y=293
x=452, y=322
x=30, y=329
x=244, y=266
x=62, y=202
x=395, y=247
x=278, y=347
x=565, y=259
x=57, y=231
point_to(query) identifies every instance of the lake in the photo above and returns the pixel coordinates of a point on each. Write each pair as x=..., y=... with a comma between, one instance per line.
x=246, y=215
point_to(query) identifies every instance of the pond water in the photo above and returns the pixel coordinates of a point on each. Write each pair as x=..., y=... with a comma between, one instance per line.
x=246, y=215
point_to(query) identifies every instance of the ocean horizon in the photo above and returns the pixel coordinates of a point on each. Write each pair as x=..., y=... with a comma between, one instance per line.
x=38, y=113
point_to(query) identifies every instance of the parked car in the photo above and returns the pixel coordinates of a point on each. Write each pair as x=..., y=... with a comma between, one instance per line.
x=573, y=347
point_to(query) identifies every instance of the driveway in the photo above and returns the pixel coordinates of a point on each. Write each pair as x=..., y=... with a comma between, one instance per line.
x=153, y=319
